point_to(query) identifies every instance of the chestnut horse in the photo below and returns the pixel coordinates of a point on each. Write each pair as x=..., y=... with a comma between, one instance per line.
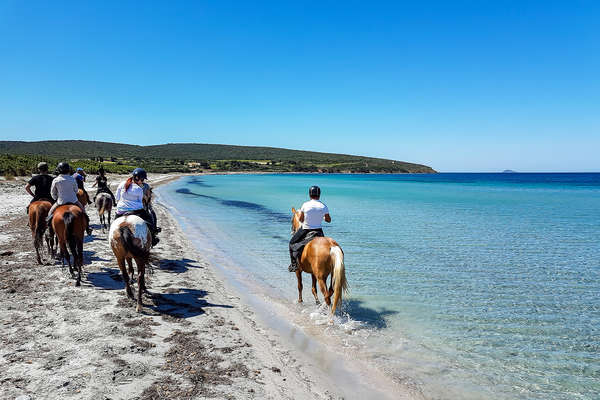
x=38, y=211
x=104, y=204
x=70, y=224
x=82, y=197
x=322, y=257
x=130, y=238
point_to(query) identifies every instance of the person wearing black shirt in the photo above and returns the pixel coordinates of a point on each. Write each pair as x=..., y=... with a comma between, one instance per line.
x=102, y=184
x=42, y=184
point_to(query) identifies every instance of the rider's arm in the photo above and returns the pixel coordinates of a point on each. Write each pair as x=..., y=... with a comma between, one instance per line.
x=54, y=190
x=327, y=217
x=28, y=189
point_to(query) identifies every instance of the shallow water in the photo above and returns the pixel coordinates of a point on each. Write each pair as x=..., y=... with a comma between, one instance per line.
x=487, y=284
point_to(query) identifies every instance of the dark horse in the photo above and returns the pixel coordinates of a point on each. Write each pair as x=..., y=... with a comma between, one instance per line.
x=322, y=257
x=38, y=211
x=69, y=223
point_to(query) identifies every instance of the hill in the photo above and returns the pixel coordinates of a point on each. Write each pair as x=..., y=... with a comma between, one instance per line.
x=187, y=157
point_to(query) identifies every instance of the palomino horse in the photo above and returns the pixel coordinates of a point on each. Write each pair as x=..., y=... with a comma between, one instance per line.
x=69, y=223
x=82, y=197
x=322, y=257
x=130, y=238
x=38, y=211
x=104, y=204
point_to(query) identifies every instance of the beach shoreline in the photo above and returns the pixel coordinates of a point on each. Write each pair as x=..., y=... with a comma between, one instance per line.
x=195, y=338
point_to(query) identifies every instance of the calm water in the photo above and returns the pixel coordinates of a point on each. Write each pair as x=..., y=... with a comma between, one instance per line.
x=470, y=285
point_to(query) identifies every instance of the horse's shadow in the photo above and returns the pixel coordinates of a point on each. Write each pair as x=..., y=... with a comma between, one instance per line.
x=181, y=303
x=108, y=279
x=176, y=266
x=368, y=316
x=88, y=257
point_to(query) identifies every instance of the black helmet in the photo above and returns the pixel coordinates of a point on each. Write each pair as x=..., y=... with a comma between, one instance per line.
x=314, y=191
x=140, y=173
x=101, y=170
x=63, y=168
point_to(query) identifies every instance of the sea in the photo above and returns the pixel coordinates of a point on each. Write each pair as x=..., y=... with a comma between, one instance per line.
x=462, y=285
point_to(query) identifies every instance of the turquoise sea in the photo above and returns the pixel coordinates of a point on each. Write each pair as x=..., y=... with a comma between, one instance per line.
x=470, y=286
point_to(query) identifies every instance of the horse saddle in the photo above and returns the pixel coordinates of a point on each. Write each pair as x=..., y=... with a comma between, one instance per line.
x=298, y=248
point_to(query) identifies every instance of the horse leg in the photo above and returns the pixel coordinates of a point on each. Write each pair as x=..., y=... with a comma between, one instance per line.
x=299, y=276
x=324, y=290
x=79, y=261
x=131, y=272
x=314, y=287
x=141, y=283
x=121, y=262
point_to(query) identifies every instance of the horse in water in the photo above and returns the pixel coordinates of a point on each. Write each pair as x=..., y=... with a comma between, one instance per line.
x=70, y=224
x=38, y=211
x=83, y=198
x=321, y=257
x=130, y=238
x=104, y=204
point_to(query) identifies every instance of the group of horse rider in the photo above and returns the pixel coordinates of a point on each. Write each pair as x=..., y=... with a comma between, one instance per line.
x=62, y=189
x=129, y=201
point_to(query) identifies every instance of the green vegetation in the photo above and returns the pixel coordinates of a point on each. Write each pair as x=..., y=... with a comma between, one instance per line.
x=21, y=158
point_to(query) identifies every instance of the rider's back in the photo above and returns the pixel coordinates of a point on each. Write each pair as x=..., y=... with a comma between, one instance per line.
x=314, y=211
x=64, y=189
x=43, y=184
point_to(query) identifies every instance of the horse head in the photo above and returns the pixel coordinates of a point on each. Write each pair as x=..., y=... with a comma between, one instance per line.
x=147, y=199
x=296, y=224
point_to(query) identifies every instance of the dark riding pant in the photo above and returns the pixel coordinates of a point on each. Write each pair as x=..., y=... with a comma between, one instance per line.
x=105, y=190
x=297, y=242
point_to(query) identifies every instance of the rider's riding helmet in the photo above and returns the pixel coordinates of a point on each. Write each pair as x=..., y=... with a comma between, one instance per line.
x=314, y=191
x=63, y=168
x=140, y=173
x=101, y=170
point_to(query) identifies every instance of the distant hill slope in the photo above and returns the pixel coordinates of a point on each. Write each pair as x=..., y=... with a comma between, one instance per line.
x=226, y=156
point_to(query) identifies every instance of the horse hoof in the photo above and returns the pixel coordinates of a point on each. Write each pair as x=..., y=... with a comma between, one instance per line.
x=138, y=308
x=77, y=283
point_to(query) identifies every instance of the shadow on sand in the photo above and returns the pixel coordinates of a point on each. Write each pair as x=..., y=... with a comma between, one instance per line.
x=176, y=266
x=175, y=302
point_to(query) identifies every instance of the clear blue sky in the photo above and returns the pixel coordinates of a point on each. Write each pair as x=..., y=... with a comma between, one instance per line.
x=457, y=85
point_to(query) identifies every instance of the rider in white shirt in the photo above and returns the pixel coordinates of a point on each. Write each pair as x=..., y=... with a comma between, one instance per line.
x=312, y=214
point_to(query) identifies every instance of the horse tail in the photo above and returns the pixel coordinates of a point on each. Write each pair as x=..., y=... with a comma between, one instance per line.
x=40, y=228
x=339, y=276
x=102, y=206
x=127, y=239
x=69, y=220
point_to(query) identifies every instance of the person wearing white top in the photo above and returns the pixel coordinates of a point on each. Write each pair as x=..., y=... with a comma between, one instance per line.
x=312, y=214
x=129, y=195
x=64, y=191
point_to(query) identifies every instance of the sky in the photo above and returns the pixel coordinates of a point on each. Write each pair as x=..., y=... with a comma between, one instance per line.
x=461, y=86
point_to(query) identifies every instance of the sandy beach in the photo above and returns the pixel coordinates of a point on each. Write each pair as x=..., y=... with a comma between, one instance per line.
x=194, y=339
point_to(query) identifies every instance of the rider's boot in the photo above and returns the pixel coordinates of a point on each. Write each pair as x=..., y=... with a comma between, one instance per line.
x=293, y=266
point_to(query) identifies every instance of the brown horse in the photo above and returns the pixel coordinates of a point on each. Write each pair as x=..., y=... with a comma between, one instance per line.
x=38, y=211
x=104, y=205
x=130, y=238
x=70, y=223
x=322, y=257
x=83, y=198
